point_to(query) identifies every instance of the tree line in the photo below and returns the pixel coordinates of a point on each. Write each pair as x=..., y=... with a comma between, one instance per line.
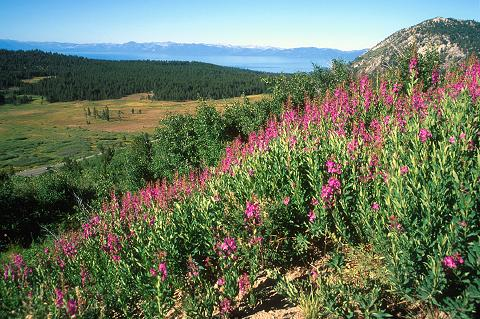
x=73, y=78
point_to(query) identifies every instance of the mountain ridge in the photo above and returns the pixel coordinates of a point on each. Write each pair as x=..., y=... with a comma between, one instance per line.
x=453, y=39
x=174, y=48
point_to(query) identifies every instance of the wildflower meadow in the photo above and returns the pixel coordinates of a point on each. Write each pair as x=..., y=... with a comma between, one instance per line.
x=373, y=188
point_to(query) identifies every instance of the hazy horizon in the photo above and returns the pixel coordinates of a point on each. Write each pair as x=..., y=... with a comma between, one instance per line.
x=343, y=25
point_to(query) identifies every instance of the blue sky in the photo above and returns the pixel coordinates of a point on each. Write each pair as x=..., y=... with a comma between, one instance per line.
x=343, y=24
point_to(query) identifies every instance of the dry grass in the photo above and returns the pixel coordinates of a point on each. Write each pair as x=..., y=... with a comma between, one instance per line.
x=42, y=133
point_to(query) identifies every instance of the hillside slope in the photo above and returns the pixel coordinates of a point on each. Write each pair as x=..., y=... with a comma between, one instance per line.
x=453, y=39
x=372, y=192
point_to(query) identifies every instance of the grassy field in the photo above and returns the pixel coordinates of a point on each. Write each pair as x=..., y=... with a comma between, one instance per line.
x=41, y=133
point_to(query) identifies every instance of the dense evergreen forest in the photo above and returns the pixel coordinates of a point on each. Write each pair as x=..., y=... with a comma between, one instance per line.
x=74, y=78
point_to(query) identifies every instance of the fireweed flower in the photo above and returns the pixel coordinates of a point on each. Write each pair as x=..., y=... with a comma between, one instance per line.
x=256, y=240
x=153, y=272
x=412, y=67
x=375, y=207
x=18, y=261
x=225, y=306
x=252, y=213
x=329, y=190
x=286, y=200
x=314, y=274
x=424, y=135
x=314, y=201
x=84, y=276
x=462, y=136
x=72, y=307
x=435, y=76
x=452, y=261
x=334, y=183
x=394, y=224
x=162, y=270
x=228, y=247
x=220, y=282
x=244, y=283
x=452, y=139
x=333, y=168
x=311, y=216
x=58, y=297
x=404, y=170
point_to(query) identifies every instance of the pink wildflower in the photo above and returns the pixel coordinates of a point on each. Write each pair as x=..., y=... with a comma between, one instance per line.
x=311, y=216
x=424, y=135
x=435, y=76
x=84, y=276
x=286, y=200
x=449, y=262
x=314, y=201
x=153, y=272
x=243, y=283
x=452, y=139
x=412, y=67
x=225, y=306
x=333, y=168
x=59, y=298
x=404, y=170
x=452, y=261
x=72, y=307
x=220, y=282
x=252, y=213
x=462, y=136
x=162, y=270
x=394, y=224
x=375, y=207
x=256, y=240
x=314, y=274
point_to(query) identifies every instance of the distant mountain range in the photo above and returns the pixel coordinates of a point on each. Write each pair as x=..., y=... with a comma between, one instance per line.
x=257, y=58
x=453, y=39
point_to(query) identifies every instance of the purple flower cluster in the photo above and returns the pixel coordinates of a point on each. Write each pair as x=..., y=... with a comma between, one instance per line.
x=330, y=190
x=244, y=283
x=252, y=213
x=424, y=135
x=113, y=246
x=228, y=247
x=333, y=168
x=452, y=261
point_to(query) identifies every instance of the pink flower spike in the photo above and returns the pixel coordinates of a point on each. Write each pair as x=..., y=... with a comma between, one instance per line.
x=220, y=282
x=311, y=216
x=225, y=306
x=404, y=170
x=153, y=272
x=162, y=270
x=72, y=307
x=424, y=135
x=59, y=298
x=375, y=207
x=452, y=139
x=449, y=262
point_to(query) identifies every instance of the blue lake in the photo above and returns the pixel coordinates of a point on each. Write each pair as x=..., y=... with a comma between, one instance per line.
x=274, y=64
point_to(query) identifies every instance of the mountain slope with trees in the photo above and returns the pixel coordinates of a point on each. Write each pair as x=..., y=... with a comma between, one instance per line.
x=452, y=39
